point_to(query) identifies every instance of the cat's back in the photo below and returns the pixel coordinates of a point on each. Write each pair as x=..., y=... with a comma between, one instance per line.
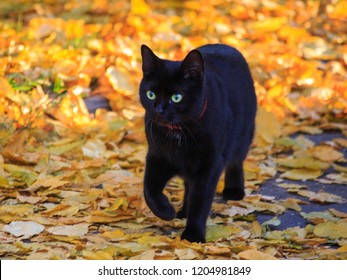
x=219, y=54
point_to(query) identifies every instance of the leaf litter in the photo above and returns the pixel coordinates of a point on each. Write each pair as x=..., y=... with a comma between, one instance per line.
x=71, y=181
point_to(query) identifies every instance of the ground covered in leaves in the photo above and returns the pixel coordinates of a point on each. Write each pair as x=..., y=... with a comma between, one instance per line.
x=71, y=181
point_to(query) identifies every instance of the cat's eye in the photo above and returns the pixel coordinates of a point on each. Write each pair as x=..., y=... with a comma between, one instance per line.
x=150, y=94
x=176, y=97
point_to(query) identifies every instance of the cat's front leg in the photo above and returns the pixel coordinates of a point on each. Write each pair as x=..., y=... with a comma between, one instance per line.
x=201, y=194
x=157, y=174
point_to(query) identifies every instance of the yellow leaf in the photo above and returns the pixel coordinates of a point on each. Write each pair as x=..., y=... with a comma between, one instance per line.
x=155, y=241
x=293, y=203
x=99, y=255
x=292, y=186
x=318, y=217
x=256, y=229
x=188, y=254
x=213, y=233
x=337, y=213
x=267, y=206
x=102, y=217
x=139, y=7
x=253, y=254
x=62, y=210
x=20, y=210
x=301, y=174
x=146, y=255
x=120, y=201
x=267, y=127
x=5, y=88
x=341, y=141
x=115, y=235
x=48, y=182
x=114, y=177
x=326, y=153
x=307, y=163
x=217, y=250
x=270, y=24
x=310, y=130
x=331, y=229
x=342, y=249
x=339, y=168
x=321, y=196
x=61, y=147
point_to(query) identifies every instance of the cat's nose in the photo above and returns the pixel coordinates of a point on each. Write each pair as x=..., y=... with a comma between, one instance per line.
x=159, y=109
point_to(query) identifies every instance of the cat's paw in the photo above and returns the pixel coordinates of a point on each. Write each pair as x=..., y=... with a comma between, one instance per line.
x=160, y=206
x=233, y=194
x=193, y=236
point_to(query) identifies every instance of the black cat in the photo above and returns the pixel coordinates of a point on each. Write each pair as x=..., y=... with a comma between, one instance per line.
x=199, y=121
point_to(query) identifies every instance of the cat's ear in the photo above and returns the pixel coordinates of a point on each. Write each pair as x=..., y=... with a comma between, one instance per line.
x=193, y=66
x=149, y=61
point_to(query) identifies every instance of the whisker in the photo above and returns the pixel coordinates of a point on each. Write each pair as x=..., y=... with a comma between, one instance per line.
x=185, y=127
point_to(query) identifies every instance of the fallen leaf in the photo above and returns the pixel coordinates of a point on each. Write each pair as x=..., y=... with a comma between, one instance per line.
x=146, y=255
x=213, y=233
x=331, y=229
x=62, y=210
x=256, y=229
x=342, y=249
x=253, y=254
x=98, y=255
x=305, y=163
x=267, y=127
x=115, y=235
x=341, y=141
x=73, y=230
x=340, y=168
x=326, y=153
x=112, y=177
x=322, y=197
x=120, y=81
x=337, y=213
x=48, y=182
x=188, y=254
x=94, y=148
x=293, y=203
x=292, y=186
x=217, y=250
x=318, y=217
x=301, y=174
x=155, y=241
x=236, y=210
x=337, y=178
x=24, y=229
x=267, y=206
x=29, y=199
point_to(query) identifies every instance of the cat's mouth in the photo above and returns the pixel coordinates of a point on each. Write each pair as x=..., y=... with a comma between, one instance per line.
x=168, y=124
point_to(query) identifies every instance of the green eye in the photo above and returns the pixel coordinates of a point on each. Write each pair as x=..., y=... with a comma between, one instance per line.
x=150, y=94
x=177, y=97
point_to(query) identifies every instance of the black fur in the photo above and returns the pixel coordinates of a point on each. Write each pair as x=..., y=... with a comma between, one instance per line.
x=208, y=131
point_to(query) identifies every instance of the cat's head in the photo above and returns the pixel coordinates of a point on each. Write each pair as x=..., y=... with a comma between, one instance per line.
x=171, y=91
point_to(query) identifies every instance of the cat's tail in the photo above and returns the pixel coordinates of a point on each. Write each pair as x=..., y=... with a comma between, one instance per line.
x=160, y=205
